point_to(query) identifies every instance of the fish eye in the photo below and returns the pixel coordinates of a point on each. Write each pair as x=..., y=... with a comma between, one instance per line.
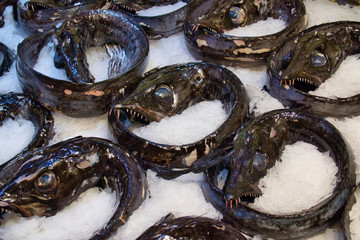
x=259, y=161
x=164, y=93
x=46, y=182
x=319, y=59
x=237, y=15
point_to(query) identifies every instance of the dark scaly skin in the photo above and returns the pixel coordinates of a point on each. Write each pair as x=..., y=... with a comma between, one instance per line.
x=293, y=73
x=256, y=147
x=17, y=105
x=7, y=57
x=345, y=221
x=44, y=15
x=187, y=84
x=156, y=27
x=207, y=20
x=44, y=181
x=84, y=100
x=191, y=227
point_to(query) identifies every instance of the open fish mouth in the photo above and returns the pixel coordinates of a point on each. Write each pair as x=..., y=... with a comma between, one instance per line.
x=245, y=198
x=300, y=83
x=36, y=6
x=131, y=117
x=123, y=7
x=249, y=197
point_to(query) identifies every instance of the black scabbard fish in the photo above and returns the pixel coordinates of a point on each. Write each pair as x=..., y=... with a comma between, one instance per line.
x=305, y=61
x=84, y=99
x=207, y=20
x=44, y=181
x=191, y=227
x=14, y=106
x=157, y=26
x=168, y=91
x=256, y=147
x=7, y=58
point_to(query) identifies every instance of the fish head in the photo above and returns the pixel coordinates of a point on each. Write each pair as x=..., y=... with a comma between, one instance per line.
x=255, y=150
x=314, y=59
x=163, y=93
x=45, y=184
x=226, y=15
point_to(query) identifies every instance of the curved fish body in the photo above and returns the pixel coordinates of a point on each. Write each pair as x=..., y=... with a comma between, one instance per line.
x=207, y=20
x=157, y=26
x=84, y=100
x=44, y=15
x=305, y=61
x=44, y=181
x=6, y=58
x=3, y=5
x=191, y=227
x=92, y=28
x=17, y=105
x=168, y=91
x=256, y=148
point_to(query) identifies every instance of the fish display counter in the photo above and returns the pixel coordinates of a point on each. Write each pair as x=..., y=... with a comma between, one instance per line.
x=203, y=139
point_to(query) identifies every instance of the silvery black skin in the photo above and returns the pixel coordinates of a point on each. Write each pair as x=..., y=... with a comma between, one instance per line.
x=14, y=105
x=6, y=58
x=157, y=26
x=345, y=221
x=168, y=91
x=44, y=15
x=84, y=99
x=44, y=181
x=304, y=62
x=256, y=148
x=191, y=227
x=207, y=20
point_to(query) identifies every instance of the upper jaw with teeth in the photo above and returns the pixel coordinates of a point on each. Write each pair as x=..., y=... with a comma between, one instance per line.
x=243, y=199
x=134, y=113
x=292, y=81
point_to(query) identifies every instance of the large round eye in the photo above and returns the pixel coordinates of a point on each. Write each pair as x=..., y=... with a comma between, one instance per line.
x=237, y=15
x=319, y=59
x=46, y=182
x=259, y=161
x=164, y=93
